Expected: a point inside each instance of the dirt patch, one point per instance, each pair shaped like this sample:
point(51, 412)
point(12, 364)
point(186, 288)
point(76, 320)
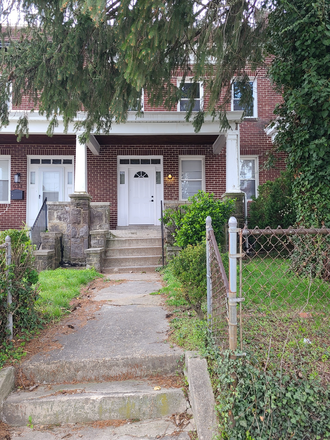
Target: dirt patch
point(171, 381)
point(4, 432)
point(108, 423)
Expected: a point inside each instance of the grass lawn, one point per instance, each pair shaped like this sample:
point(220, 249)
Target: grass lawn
point(272, 284)
point(286, 318)
point(58, 287)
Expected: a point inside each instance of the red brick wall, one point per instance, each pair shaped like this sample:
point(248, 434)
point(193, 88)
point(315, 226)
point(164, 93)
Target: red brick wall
point(102, 171)
point(14, 215)
point(254, 140)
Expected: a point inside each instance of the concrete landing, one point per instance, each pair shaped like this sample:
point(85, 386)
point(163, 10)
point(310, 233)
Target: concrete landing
point(126, 338)
point(115, 369)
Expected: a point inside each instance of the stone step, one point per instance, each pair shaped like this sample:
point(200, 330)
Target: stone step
point(103, 369)
point(89, 402)
point(130, 269)
point(134, 251)
point(147, 260)
point(133, 242)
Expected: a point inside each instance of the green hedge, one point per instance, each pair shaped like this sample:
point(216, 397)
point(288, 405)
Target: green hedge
point(22, 281)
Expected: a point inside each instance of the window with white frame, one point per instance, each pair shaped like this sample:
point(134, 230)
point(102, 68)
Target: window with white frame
point(190, 90)
point(4, 179)
point(191, 176)
point(249, 176)
point(251, 110)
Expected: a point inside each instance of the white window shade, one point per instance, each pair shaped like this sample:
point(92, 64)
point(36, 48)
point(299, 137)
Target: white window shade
point(249, 177)
point(191, 177)
point(4, 181)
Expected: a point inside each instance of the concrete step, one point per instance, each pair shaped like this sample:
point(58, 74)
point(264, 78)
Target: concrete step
point(147, 260)
point(137, 233)
point(133, 242)
point(134, 251)
point(115, 368)
point(88, 402)
point(130, 269)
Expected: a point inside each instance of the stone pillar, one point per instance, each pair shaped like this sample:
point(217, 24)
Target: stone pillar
point(100, 216)
point(59, 222)
point(53, 241)
point(79, 226)
point(94, 258)
point(44, 260)
point(99, 238)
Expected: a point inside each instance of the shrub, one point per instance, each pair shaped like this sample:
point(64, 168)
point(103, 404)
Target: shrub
point(173, 219)
point(190, 223)
point(274, 205)
point(189, 267)
point(21, 280)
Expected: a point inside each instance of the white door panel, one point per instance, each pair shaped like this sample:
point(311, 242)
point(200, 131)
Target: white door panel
point(141, 196)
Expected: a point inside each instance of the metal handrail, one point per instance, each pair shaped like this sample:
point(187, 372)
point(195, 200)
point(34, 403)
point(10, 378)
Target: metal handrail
point(37, 228)
point(162, 226)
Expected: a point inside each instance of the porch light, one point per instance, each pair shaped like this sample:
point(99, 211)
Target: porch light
point(17, 178)
point(170, 176)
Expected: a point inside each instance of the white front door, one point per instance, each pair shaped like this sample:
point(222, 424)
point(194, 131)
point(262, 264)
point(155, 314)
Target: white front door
point(141, 196)
point(140, 190)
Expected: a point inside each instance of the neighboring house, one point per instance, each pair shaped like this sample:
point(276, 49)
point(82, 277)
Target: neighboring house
point(153, 158)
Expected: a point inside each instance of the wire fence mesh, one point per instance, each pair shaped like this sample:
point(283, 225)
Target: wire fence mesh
point(284, 277)
point(218, 289)
point(285, 315)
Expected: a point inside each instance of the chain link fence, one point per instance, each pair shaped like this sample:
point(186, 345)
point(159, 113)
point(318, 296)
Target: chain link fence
point(284, 277)
point(217, 290)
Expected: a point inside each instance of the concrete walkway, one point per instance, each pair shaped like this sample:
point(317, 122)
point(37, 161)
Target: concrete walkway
point(125, 340)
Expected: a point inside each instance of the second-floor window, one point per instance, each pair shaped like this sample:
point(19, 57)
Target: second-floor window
point(188, 91)
point(250, 110)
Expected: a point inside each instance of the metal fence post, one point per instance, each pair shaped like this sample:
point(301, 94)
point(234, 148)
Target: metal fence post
point(208, 271)
point(9, 295)
point(232, 298)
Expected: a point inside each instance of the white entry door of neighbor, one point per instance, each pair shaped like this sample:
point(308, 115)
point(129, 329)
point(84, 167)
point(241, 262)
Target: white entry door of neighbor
point(141, 196)
point(51, 185)
point(50, 177)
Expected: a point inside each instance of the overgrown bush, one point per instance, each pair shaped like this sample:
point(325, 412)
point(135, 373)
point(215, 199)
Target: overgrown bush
point(310, 257)
point(274, 206)
point(189, 221)
point(189, 267)
point(256, 405)
point(21, 279)
point(173, 219)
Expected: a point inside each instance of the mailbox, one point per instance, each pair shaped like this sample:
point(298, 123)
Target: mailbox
point(17, 194)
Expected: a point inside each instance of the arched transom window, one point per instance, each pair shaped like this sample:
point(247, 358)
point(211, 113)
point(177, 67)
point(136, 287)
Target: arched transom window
point(140, 175)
